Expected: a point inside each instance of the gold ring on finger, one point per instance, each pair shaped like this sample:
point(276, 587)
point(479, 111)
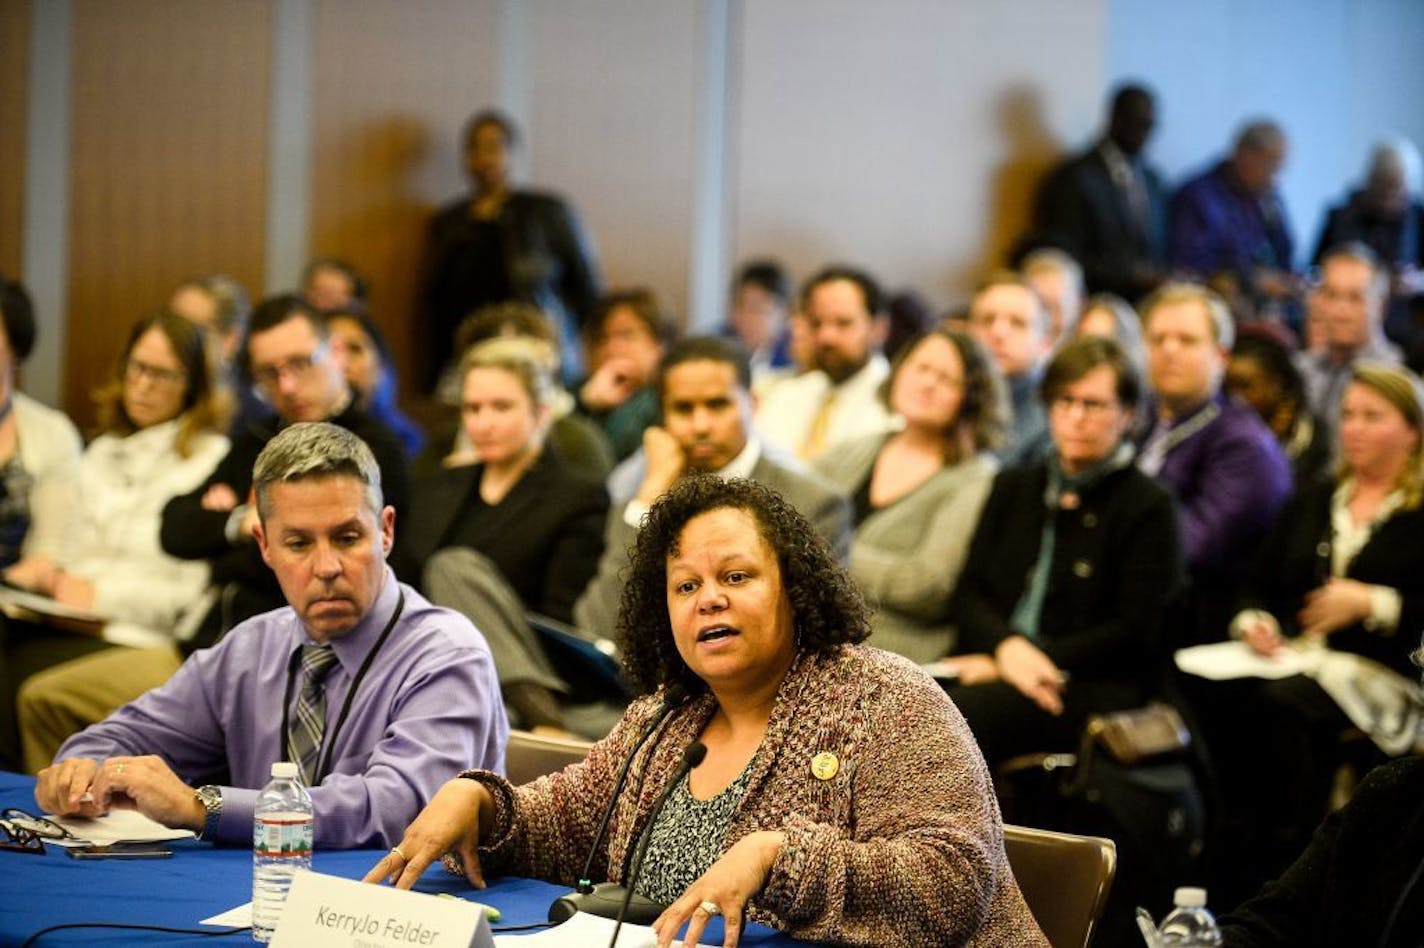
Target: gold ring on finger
point(397, 851)
point(709, 908)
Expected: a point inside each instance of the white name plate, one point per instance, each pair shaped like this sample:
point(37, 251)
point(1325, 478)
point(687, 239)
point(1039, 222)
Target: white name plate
point(329, 912)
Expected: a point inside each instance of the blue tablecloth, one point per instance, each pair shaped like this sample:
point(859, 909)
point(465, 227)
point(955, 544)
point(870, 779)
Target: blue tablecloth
point(200, 881)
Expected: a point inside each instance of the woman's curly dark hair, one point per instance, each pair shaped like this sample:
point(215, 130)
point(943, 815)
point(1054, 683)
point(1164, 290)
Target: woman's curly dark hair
point(826, 606)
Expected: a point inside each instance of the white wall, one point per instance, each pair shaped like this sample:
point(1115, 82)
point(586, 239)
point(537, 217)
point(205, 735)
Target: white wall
point(904, 136)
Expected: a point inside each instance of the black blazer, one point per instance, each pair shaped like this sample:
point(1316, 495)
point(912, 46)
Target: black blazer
point(1117, 563)
point(545, 536)
point(547, 260)
point(1296, 559)
point(1343, 888)
point(1081, 210)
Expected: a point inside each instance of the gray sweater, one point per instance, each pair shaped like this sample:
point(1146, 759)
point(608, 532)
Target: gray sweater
point(907, 556)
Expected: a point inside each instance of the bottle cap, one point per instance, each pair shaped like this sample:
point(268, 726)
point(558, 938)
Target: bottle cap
point(1190, 897)
point(285, 769)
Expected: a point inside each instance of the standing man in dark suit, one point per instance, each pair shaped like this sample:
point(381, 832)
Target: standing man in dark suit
point(705, 391)
point(1106, 206)
point(501, 243)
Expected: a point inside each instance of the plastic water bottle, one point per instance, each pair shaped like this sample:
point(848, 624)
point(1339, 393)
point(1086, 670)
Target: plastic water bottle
point(1190, 925)
point(282, 826)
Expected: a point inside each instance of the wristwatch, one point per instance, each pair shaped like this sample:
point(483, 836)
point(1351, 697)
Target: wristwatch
point(211, 799)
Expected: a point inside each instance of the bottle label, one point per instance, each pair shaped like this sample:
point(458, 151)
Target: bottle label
point(282, 836)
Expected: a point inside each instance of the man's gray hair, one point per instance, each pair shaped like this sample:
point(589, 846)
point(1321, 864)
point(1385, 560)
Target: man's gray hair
point(1259, 134)
point(315, 449)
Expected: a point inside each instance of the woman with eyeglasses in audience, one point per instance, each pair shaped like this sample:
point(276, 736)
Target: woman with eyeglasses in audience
point(1072, 567)
point(161, 416)
point(917, 492)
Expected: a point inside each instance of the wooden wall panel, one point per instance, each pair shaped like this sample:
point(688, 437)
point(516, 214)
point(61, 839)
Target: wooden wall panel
point(394, 85)
point(168, 163)
point(14, 89)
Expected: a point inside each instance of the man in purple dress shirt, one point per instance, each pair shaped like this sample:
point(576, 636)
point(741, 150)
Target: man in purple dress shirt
point(423, 704)
point(1227, 470)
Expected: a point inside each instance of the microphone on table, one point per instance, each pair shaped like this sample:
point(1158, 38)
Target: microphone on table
point(691, 757)
point(603, 899)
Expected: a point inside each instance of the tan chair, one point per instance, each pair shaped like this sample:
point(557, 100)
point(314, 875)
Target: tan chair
point(1064, 878)
point(530, 756)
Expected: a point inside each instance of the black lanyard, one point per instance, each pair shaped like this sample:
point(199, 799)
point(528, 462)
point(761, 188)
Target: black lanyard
point(328, 739)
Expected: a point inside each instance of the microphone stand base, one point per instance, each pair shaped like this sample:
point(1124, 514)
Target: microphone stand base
point(605, 900)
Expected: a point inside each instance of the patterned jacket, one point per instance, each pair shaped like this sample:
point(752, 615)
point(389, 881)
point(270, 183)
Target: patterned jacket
point(902, 845)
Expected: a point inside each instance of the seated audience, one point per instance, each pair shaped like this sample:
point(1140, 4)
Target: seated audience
point(1387, 216)
point(517, 531)
point(1230, 221)
point(917, 492)
point(740, 627)
point(360, 347)
point(576, 440)
point(1071, 571)
point(1351, 299)
point(837, 400)
point(1010, 320)
point(289, 356)
point(1227, 470)
point(39, 497)
point(215, 523)
point(161, 418)
point(761, 307)
point(627, 337)
point(1058, 280)
point(330, 284)
point(394, 693)
point(1339, 571)
point(706, 428)
point(1106, 207)
point(1262, 374)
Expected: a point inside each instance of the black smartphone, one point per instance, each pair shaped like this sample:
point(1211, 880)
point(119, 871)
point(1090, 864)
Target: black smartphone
point(119, 851)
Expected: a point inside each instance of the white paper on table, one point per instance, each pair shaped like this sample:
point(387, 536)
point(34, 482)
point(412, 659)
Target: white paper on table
point(583, 930)
point(240, 917)
point(118, 826)
point(1221, 661)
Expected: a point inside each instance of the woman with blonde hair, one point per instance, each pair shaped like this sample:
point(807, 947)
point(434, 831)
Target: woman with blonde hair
point(917, 492)
point(517, 532)
point(1336, 584)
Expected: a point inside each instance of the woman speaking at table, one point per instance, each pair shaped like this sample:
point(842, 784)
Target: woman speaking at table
point(841, 798)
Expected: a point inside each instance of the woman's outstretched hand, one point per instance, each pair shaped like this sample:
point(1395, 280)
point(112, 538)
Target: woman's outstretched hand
point(450, 823)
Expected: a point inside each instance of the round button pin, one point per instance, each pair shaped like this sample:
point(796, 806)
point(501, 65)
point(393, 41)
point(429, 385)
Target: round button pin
point(825, 765)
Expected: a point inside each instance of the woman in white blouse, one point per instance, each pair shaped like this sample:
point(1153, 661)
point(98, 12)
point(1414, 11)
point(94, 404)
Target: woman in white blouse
point(161, 415)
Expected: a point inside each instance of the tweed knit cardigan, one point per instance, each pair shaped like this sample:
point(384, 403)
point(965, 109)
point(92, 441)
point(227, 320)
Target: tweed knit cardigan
point(903, 845)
